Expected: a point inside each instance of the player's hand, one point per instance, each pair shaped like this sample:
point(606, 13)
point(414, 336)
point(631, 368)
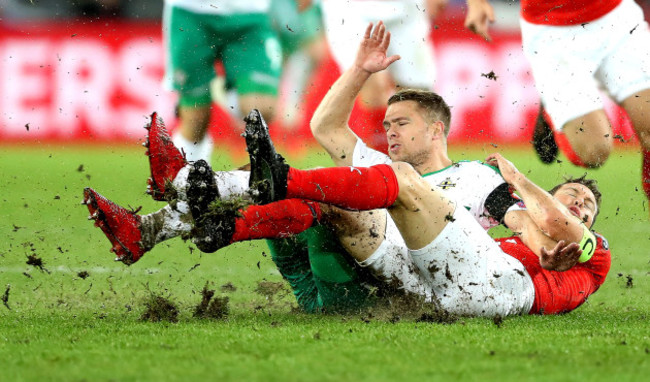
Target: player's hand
point(479, 15)
point(371, 55)
point(561, 258)
point(508, 170)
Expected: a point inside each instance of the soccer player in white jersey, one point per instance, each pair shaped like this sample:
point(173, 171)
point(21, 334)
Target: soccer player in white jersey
point(412, 139)
point(411, 113)
point(433, 244)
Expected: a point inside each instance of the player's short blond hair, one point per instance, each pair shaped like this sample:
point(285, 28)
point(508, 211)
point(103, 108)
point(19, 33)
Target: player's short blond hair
point(433, 105)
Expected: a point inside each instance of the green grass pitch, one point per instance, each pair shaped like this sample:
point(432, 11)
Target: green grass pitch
point(57, 324)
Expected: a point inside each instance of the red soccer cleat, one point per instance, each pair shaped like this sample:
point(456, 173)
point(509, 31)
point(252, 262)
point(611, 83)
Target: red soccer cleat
point(121, 227)
point(165, 159)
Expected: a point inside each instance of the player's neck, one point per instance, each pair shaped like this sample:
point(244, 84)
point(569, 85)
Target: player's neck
point(435, 162)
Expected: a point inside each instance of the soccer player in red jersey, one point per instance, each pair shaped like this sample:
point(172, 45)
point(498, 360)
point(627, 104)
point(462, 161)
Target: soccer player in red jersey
point(573, 46)
point(562, 281)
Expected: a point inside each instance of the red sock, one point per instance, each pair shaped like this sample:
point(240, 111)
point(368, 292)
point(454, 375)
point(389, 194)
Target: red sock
point(276, 220)
point(645, 173)
point(564, 146)
point(353, 188)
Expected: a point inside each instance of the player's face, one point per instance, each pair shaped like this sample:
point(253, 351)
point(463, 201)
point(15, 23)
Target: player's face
point(579, 200)
point(408, 133)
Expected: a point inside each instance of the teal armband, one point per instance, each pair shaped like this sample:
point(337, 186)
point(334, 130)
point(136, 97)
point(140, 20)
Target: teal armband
point(587, 245)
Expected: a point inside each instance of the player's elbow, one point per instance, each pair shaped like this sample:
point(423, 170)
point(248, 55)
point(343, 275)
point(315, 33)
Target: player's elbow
point(317, 127)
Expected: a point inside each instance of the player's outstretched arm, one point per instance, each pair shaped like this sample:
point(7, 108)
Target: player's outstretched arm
point(329, 123)
point(480, 15)
point(546, 212)
point(553, 255)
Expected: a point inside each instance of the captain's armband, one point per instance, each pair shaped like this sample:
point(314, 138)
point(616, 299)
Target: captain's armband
point(587, 245)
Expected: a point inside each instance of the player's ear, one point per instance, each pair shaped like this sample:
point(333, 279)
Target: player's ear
point(438, 129)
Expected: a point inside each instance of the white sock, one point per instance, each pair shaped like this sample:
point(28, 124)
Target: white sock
point(180, 182)
point(296, 73)
point(232, 104)
point(170, 222)
point(228, 99)
point(165, 224)
point(231, 184)
point(194, 151)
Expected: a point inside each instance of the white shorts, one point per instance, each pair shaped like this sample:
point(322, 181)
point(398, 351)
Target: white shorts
point(464, 267)
point(569, 62)
point(391, 263)
point(346, 20)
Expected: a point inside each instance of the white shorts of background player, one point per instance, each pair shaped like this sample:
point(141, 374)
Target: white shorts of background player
point(570, 62)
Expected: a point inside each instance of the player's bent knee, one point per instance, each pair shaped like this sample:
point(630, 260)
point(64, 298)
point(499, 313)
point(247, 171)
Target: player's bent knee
point(407, 176)
point(596, 155)
point(404, 171)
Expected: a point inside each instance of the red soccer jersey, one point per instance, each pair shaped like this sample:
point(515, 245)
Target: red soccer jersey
point(561, 292)
point(565, 12)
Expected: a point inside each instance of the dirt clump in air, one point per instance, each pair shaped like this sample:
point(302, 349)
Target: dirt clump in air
point(228, 287)
point(5, 297)
point(212, 307)
point(270, 290)
point(159, 308)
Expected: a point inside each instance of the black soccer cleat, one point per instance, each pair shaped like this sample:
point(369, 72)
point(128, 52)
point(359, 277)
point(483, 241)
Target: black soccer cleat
point(543, 140)
point(268, 179)
point(212, 231)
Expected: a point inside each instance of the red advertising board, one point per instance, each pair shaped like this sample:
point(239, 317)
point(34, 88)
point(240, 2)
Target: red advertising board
point(99, 81)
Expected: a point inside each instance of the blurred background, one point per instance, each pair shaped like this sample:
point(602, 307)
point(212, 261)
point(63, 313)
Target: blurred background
point(91, 71)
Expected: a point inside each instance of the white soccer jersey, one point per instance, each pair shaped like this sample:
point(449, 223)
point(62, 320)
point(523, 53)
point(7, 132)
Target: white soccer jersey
point(468, 183)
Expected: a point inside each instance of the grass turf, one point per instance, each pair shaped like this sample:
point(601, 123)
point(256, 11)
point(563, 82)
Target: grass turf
point(78, 318)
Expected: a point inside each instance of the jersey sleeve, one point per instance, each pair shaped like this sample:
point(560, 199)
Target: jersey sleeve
point(364, 156)
point(496, 197)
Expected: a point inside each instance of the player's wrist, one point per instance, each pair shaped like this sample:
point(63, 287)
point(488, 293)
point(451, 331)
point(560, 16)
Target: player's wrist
point(517, 180)
point(359, 72)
